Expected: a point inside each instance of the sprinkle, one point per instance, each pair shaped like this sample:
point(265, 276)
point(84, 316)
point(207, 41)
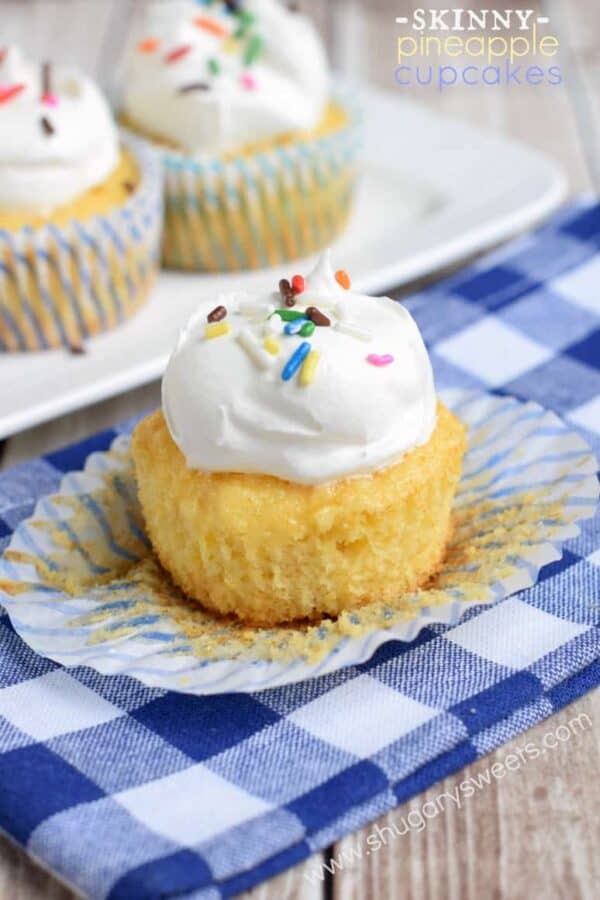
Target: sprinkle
point(194, 86)
point(3, 52)
point(178, 53)
point(248, 81)
point(211, 25)
point(150, 45)
point(289, 315)
point(229, 44)
point(76, 349)
point(46, 79)
point(219, 329)
point(214, 66)
point(246, 18)
point(376, 360)
point(245, 21)
point(233, 6)
point(272, 326)
point(129, 186)
point(309, 368)
point(343, 279)
point(271, 345)
point(253, 49)
point(295, 361)
point(47, 126)
point(287, 292)
point(295, 327)
point(315, 315)
point(9, 92)
point(216, 314)
point(298, 284)
point(307, 329)
point(49, 99)
point(354, 331)
point(257, 354)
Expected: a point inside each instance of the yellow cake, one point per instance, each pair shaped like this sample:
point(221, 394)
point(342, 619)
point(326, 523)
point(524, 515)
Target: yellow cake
point(297, 475)
point(111, 193)
point(80, 214)
point(260, 160)
point(270, 551)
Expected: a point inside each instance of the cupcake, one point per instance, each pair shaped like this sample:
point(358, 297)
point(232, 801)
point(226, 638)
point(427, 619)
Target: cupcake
point(259, 155)
point(80, 215)
point(301, 464)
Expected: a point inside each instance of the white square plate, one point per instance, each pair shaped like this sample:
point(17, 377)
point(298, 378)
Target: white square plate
point(434, 191)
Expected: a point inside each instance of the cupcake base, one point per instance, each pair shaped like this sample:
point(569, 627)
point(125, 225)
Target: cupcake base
point(269, 551)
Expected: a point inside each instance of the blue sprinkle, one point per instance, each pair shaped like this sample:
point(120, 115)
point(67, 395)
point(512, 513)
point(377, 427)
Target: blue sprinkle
point(295, 360)
point(295, 326)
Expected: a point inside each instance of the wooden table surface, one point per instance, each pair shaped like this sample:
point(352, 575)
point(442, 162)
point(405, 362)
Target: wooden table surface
point(536, 831)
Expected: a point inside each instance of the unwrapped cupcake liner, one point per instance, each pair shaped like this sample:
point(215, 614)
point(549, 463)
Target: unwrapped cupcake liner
point(259, 209)
point(82, 587)
point(59, 285)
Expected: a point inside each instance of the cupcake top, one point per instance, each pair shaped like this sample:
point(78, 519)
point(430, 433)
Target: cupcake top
point(58, 135)
point(310, 382)
point(215, 75)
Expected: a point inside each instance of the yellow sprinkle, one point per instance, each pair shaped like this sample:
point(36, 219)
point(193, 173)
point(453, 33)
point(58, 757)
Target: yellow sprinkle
point(309, 368)
point(229, 45)
point(271, 345)
point(217, 330)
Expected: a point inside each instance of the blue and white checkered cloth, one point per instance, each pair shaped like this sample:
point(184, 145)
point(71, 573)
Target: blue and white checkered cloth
point(131, 792)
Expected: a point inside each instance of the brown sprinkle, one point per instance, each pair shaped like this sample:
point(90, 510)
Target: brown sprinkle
point(46, 79)
point(217, 314)
point(315, 315)
point(194, 86)
point(47, 126)
point(287, 292)
point(129, 186)
point(76, 349)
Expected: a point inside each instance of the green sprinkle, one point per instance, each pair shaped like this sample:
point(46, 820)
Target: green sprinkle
point(307, 329)
point(214, 66)
point(253, 49)
point(289, 315)
point(246, 18)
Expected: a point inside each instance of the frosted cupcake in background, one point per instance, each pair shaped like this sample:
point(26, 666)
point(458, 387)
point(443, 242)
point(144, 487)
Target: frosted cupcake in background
point(260, 157)
point(80, 215)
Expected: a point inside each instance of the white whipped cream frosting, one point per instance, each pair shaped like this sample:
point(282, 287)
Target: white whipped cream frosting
point(47, 165)
point(285, 88)
point(229, 410)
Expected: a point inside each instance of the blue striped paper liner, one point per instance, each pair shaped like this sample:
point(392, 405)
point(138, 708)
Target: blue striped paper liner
point(226, 230)
point(519, 447)
point(83, 246)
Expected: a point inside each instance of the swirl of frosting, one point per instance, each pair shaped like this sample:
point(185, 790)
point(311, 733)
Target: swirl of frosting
point(350, 392)
point(58, 135)
point(215, 76)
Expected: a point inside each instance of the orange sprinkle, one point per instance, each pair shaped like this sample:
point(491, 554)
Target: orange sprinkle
point(211, 26)
point(150, 45)
point(342, 278)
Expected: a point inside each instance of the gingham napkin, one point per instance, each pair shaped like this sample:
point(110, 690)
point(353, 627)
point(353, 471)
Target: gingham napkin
point(130, 792)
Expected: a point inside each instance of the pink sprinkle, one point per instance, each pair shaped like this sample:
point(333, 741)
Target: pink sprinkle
point(376, 360)
point(50, 100)
point(178, 53)
point(249, 81)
